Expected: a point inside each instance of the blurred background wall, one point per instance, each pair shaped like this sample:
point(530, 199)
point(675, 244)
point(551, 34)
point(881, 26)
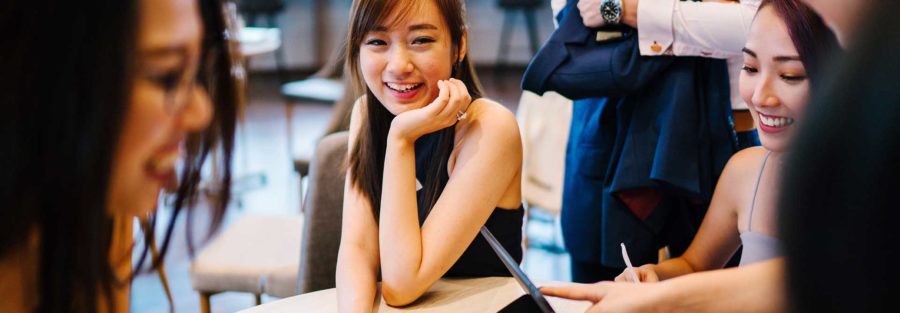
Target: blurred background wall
point(300, 33)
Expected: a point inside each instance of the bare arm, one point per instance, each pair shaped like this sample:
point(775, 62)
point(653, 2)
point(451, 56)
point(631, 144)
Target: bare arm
point(413, 258)
point(357, 263)
point(718, 237)
point(753, 288)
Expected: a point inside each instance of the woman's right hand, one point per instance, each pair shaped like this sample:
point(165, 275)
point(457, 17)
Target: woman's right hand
point(645, 273)
point(453, 99)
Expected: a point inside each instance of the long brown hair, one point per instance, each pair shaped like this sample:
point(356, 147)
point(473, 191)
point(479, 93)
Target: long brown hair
point(367, 154)
point(63, 106)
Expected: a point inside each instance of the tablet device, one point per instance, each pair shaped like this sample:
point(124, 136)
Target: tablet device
point(533, 301)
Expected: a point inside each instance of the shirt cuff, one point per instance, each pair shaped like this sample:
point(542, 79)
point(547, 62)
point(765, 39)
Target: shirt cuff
point(654, 19)
point(714, 30)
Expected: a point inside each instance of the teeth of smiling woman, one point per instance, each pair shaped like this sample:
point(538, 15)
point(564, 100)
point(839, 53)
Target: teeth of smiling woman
point(776, 121)
point(402, 87)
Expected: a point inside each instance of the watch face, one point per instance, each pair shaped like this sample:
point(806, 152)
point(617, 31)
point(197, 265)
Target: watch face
point(610, 10)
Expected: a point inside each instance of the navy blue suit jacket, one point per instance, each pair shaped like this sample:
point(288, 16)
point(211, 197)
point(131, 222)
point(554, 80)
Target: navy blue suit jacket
point(659, 122)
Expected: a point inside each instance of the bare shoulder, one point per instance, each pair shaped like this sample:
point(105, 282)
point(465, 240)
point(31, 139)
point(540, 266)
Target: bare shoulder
point(494, 119)
point(746, 161)
point(489, 124)
point(742, 168)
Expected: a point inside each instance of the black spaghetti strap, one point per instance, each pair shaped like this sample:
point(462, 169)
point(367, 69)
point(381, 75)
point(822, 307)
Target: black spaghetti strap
point(756, 190)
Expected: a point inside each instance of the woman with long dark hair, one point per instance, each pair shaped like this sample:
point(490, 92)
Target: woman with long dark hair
point(431, 161)
point(783, 60)
point(100, 101)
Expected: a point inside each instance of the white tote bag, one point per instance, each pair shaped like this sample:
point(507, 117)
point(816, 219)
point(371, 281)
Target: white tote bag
point(544, 122)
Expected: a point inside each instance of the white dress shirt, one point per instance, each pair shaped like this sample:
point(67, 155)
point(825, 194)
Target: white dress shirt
point(706, 29)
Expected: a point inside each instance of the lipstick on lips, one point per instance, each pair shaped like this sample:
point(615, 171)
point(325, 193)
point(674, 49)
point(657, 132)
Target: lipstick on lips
point(773, 124)
point(404, 91)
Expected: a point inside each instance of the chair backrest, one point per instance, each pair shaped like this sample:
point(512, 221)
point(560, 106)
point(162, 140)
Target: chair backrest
point(323, 209)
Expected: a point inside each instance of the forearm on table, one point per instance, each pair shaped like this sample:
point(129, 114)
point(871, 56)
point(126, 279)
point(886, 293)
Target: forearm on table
point(399, 235)
point(753, 288)
point(355, 280)
point(672, 268)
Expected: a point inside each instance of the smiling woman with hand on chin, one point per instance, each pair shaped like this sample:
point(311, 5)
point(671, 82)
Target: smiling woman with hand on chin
point(431, 161)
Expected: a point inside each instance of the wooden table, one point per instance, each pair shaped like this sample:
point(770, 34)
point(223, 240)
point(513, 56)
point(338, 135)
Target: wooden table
point(488, 294)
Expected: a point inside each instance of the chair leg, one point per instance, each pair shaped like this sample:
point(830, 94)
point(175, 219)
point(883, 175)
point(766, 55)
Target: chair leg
point(258, 298)
point(508, 19)
point(280, 64)
point(204, 302)
point(500, 64)
point(302, 194)
point(531, 24)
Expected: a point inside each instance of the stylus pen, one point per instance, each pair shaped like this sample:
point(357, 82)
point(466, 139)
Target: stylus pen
point(628, 267)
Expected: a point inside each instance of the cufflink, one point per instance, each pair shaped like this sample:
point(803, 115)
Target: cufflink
point(655, 47)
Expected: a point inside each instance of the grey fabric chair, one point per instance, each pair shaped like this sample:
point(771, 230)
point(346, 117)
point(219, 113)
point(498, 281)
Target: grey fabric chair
point(323, 210)
point(245, 254)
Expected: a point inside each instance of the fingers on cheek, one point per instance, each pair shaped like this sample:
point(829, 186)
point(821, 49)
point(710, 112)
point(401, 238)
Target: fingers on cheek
point(443, 96)
point(462, 95)
point(451, 89)
point(456, 89)
point(453, 95)
point(443, 90)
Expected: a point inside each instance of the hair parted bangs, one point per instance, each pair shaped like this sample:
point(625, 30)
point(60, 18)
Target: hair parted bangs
point(814, 41)
point(366, 161)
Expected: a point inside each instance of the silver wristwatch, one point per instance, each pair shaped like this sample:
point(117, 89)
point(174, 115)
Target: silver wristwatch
point(611, 11)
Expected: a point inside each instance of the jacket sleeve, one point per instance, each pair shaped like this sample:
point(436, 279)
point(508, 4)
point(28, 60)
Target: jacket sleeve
point(574, 64)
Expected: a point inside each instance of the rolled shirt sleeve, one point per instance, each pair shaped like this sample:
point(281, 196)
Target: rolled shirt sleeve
point(707, 29)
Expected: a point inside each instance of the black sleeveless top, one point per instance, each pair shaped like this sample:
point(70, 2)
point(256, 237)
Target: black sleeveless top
point(479, 259)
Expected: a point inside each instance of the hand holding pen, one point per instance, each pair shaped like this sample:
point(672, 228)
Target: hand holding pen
point(635, 274)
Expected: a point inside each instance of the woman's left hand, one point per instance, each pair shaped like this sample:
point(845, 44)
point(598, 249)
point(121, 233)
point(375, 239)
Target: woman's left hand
point(609, 297)
point(452, 101)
